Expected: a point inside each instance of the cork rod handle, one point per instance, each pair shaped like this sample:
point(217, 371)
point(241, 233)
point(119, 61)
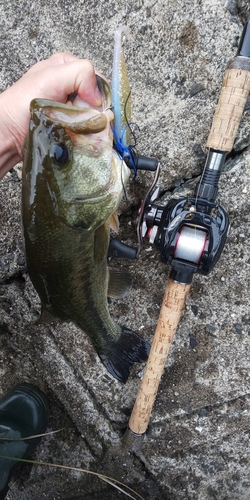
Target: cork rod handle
point(234, 93)
point(172, 305)
point(229, 110)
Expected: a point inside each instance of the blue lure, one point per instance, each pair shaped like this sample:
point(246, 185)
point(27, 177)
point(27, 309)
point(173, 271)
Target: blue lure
point(125, 152)
point(121, 103)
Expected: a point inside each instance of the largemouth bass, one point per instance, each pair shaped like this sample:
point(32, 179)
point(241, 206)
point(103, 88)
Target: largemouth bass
point(73, 181)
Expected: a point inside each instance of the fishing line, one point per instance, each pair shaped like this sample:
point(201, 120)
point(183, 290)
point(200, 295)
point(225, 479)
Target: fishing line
point(129, 124)
point(191, 243)
point(199, 185)
point(123, 187)
point(125, 151)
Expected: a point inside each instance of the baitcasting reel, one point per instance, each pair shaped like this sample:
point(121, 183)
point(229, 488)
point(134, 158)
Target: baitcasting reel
point(189, 232)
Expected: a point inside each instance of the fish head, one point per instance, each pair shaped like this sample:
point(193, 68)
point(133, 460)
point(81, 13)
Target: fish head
point(71, 170)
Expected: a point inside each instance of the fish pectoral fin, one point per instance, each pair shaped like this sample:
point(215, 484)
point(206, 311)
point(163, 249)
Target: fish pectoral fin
point(127, 350)
point(46, 316)
point(114, 222)
point(120, 283)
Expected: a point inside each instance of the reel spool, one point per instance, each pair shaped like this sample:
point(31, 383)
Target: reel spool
point(191, 242)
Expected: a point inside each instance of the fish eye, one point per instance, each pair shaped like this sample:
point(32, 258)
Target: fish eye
point(59, 154)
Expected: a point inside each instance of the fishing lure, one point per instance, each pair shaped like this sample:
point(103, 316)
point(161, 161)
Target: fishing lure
point(121, 102)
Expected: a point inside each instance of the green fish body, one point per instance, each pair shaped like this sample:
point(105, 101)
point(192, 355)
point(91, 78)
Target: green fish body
point(73, 182)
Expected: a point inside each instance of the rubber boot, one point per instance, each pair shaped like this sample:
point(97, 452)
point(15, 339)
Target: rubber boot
point(24, 412)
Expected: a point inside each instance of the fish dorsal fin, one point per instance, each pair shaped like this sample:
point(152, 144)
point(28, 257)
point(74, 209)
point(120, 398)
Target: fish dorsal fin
point(114, 222)
point(120, 283)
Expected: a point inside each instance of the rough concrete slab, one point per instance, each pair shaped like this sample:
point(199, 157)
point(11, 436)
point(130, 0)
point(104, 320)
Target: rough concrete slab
point(198, 444)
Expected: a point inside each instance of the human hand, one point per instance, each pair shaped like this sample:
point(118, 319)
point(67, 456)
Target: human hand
point(54, 78)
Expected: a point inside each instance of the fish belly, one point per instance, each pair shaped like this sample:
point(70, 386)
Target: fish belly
point(68, 268)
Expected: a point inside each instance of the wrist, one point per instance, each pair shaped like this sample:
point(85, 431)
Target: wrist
point(9, 151)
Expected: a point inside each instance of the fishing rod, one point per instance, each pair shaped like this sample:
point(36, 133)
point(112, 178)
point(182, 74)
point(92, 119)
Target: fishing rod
point(190, 234)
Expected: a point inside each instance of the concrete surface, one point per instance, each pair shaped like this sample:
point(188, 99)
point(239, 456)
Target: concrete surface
point(197, 446)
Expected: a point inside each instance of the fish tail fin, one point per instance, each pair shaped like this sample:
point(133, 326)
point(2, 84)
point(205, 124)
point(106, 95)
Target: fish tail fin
point(127, 350)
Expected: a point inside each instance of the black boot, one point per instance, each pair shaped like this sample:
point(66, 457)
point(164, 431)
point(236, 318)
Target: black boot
point(24, 412)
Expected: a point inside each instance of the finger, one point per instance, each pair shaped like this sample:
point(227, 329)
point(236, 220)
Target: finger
point(75, 76)
point(55, 59)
